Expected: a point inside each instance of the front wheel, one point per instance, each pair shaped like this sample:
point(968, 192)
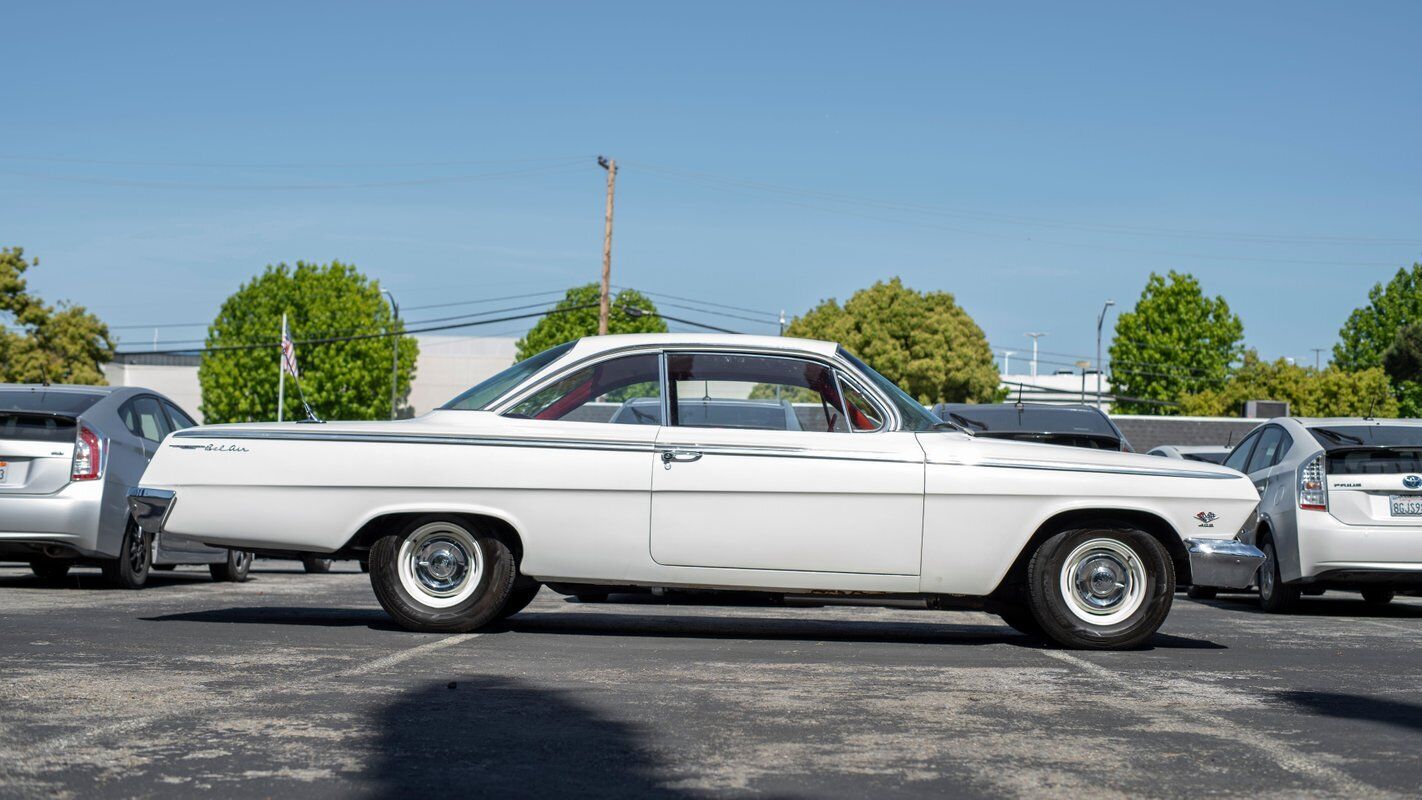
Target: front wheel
point(1100, 588)
point(130, 569)
point(235, 569)
point(442, 575)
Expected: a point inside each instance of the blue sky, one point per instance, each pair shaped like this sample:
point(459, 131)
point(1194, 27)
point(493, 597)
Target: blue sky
point(1033, 159)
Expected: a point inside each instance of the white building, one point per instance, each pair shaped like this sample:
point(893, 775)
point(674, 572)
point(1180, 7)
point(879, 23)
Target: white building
point(447, 366)
point(1063, 387)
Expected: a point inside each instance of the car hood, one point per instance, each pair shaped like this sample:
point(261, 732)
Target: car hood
point(959, 448)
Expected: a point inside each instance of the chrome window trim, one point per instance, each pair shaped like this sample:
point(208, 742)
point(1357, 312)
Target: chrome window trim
point(555, 371)
point(420, 438)
point(883, 417)
point(782, 356)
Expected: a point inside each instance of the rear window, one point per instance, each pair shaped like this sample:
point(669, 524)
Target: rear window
point(54, 402)
point(1371, 449)
point(35, 428)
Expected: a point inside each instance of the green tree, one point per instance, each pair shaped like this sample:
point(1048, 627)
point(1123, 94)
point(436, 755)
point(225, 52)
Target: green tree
point(1403, 360)
point(1372, 329)
point(347, 379)
point(923, 341)
point(64, 344)
point(567, 325)
point(1176, 341)
point(1331, 392)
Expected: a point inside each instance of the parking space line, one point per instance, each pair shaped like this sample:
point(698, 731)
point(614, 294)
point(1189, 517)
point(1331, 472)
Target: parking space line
point(1286, 758)
point(64, 742)
point(1390, 626)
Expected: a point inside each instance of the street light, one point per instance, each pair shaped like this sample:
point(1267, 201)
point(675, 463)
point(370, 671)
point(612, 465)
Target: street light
point(1099, 321)
point(1035, 337)
point(1082, 365)
point(1007, 361)
point(394, 350)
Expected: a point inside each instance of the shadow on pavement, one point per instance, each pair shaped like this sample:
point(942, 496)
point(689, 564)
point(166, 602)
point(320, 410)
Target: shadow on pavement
point(1343, 604)
point(709, 626)
point(1352, 706)
point(500, 737)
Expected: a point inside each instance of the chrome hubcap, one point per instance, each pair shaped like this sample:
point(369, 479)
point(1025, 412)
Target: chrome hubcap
point(1103, 581)
point(440, 564)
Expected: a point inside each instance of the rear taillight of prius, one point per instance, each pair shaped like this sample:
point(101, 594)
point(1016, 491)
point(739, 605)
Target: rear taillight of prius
point(1313, 487)
point(88, 456)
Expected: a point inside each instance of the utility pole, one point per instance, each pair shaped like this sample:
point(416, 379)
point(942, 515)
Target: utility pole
point(1035, 337)
point(1082, 365)
point(394, 349)
point(604, 301)
point(782, 322)
point(1317, 357)
point(1099, 320)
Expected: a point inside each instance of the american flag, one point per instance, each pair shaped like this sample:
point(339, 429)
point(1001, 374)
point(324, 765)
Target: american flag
point(288, 355)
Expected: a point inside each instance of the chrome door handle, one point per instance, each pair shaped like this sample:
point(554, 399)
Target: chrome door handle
point(683, 456)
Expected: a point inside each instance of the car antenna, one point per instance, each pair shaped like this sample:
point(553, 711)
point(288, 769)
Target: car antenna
point(1371, 403)
point(1229, 442)
point(1019, 404)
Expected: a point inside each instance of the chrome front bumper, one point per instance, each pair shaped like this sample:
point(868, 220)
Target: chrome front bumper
point(150, 507)
point(1223, 563)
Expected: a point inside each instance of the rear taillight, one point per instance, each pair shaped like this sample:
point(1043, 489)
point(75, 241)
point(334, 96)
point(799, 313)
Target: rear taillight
point(1313, 487)
point(88, 456)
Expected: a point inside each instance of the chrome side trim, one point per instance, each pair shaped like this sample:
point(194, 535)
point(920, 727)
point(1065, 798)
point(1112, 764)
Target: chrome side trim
point(150, 507)
point(1153, 473)
point(418, 438)
point(769, 451)
point(1223, 563)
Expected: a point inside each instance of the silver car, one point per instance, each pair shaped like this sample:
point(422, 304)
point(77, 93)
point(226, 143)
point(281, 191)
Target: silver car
point(1192, 452)
point(68, 456)
point(1340, 506)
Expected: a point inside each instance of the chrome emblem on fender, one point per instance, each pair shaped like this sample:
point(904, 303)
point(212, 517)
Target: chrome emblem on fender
point(1207, 518)
point(1412, 482)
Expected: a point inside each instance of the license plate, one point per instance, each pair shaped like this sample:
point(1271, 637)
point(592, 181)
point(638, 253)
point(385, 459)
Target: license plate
point(4, 470)
point(1405, 505)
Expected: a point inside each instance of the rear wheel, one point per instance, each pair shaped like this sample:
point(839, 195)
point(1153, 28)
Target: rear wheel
point(1378, 597)
point(1100, 588)
point(317, 566)
point(442, 575)
point(49, 569)
point(519, 598)
point(1275, 596)
point(1202, 593)
point(235, 569)
point(130, 569)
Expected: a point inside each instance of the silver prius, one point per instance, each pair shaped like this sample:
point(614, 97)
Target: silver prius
point(1340, 507)
point(68, 456)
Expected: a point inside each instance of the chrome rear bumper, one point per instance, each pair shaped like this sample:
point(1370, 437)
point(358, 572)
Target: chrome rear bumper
point(150, 507)
point(1223, 563)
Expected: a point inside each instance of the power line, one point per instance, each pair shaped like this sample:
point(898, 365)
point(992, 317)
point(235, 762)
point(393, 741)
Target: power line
point(288, 165)
point(770, 314)
point(142, 184)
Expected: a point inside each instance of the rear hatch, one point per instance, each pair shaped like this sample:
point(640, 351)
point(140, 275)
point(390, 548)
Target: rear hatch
point(1374, 473)
point(36, 452)
point(38, 426)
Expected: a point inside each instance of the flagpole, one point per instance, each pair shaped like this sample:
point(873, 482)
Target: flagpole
point(281, 368)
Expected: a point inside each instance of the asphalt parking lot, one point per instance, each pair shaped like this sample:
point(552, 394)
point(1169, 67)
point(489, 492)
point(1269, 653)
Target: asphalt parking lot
point(297, 685)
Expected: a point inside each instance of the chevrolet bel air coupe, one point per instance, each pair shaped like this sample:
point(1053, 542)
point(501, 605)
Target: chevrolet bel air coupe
point(710, 462)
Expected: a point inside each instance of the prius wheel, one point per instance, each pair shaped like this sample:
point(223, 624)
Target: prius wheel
point(442, 575)
point(317, 566)
point(236, 569)
point(130, 569)
point(1100, 589)
point(1275, 596)
point(49, 569)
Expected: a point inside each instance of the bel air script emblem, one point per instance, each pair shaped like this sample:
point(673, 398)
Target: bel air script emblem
point(1412, 482)
point(1207, 518)
point(211, 448)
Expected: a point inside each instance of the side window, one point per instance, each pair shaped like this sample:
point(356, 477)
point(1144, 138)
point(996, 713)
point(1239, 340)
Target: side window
point(721, 390)
point(863, 415)
point(1288, 442)
point(1266, 450)
point(624, 390)
point(144, 418)
point(1241, 451)
point(177, 419)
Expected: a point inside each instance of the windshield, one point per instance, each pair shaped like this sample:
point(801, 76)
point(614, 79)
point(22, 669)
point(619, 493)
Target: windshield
point(916, 417)
point(483, 395)
point(47, 400)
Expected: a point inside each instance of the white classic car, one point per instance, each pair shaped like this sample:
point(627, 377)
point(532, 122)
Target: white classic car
point(538, 476)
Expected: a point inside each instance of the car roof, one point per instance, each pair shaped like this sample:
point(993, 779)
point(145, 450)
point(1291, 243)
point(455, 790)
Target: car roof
point(592, 345)
point(73, 388)
point(1315, 422)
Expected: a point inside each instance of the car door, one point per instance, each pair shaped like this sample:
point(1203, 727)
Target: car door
point(763, 465)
